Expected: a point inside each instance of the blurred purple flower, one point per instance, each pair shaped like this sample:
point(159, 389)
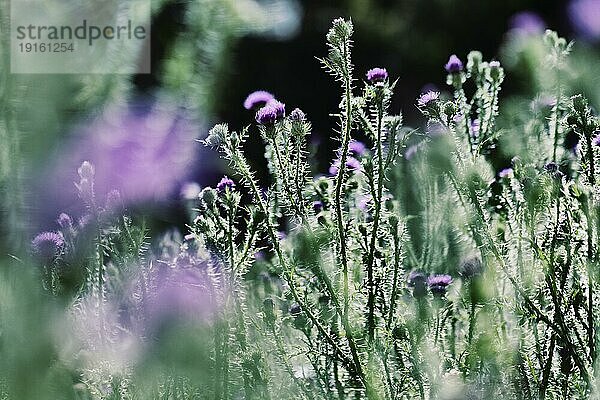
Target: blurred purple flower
point(48, 245)
point(181, 293)
point(257, 99)
point(377, 75)
point(596, 139)
point(190, 191)
point(358, 148)
point(585, 18)
point(527, 23)
point(141, 151)
point(438, 284)
point(225, 183)
point(505, 173)
point(352, 164)
point(454, 65)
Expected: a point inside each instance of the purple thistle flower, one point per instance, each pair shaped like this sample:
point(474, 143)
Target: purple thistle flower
point(596, 139)
point(454, 65)
point(527, 23)
point(48, 245)
point(438, 284)
point(224, 184)
point(257, 99)
point(427, 98)
point(317, 206)
point(65, 221)
point(278, 106)
point(351, 163)
point(505, 173)
point(266, 115)
point(297, 115)
point(377, 75)
point(358, 148)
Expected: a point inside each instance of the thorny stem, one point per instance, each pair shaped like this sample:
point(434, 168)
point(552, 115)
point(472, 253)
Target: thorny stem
point(377, 205)
point(339, 182)
point(394, 279)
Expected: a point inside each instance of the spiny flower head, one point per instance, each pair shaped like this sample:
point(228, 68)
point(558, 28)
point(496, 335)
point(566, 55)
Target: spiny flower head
point(454, 65)
point(426, 98)
point(470, 267)
point(225, 184)
point(278, 106)
point(257, 99)
point(297, 115)
point(266, 115)
point(377, 75)
point(438, 283)
point(48, 245)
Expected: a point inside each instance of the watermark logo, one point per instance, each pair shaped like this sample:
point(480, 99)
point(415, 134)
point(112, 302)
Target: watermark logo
point(80, 36)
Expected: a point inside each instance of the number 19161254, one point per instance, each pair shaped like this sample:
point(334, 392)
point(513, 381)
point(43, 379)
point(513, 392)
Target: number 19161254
point(46, 47)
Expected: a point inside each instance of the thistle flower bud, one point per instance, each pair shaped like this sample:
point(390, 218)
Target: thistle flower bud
point(417, 280)
point(470, 267)
point(454, 65)
point(208, 196)
point(297, 115)
point(496, 71)
point(474, 60)
point(216, 135)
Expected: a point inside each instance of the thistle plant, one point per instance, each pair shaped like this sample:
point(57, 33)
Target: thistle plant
point(429, 271)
